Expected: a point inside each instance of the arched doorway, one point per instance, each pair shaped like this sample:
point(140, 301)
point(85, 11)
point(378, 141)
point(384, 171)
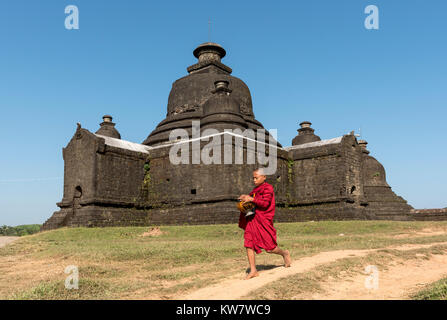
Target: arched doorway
point(77, 199)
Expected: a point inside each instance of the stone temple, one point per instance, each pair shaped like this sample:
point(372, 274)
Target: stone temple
point(112, 182)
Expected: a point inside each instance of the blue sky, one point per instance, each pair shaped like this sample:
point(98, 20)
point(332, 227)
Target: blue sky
point(302, 60)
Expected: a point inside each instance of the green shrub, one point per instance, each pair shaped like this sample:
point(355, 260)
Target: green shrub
point(19, 231)
point(434, 291)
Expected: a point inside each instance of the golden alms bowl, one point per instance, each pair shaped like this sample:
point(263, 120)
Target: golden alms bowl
point(244, 207)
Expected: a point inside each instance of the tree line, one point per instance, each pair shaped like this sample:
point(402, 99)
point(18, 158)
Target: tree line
point(22, 230)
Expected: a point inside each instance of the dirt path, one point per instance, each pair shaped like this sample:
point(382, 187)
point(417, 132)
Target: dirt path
point(398, 282)
point(391, 284)
point(5, 240)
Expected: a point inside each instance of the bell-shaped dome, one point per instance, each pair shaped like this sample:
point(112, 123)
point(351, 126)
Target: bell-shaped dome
point(222, 111)
point(189, 94)
point(221, 101)
point(305, 134)
point(108, 128)
point(373, 171)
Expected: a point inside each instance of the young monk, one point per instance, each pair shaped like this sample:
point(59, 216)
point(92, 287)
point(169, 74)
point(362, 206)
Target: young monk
point(259, 231)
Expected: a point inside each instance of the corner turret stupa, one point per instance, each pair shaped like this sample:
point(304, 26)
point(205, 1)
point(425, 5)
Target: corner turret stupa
point(197, 161)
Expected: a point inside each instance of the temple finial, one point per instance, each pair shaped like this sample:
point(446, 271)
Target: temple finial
point(209, 30)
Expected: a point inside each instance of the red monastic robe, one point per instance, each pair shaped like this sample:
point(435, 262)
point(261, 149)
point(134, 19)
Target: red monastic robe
point(259, 231)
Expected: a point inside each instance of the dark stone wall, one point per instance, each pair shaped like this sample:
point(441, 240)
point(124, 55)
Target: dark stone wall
point(429, 214)
point(96, 174)
point(315, 179)
point(338, 210)
point(172, 184)
point(119, 176)
point(79, 166)
point(120, 187)
point(326, 173)
point(351, 154)
point(202, 213)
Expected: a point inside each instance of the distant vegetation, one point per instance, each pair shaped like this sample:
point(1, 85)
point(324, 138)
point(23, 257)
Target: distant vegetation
point(22, 230)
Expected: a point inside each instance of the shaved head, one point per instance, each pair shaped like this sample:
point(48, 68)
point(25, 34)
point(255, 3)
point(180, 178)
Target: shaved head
point(259, 176)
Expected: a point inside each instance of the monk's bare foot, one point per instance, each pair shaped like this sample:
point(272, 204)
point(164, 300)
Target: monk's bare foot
point(287, 259)
point(252, 275)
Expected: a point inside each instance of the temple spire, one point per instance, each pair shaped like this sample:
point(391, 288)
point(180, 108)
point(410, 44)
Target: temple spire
point(209, 53)
point(108, 128)
point(209, 30)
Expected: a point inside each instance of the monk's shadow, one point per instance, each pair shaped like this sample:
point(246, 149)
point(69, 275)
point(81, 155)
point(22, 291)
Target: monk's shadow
point(262, 267)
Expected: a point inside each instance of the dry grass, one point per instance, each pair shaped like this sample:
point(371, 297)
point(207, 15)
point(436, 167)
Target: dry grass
point(165, 261)
point(304, 285)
